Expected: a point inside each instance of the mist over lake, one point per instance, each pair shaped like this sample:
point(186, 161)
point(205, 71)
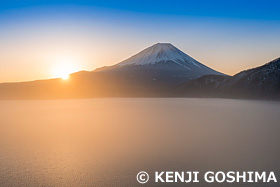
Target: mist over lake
point(106, 142)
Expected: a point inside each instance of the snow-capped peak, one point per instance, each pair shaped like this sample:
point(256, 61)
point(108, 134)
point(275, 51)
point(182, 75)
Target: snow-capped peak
point(160, 52)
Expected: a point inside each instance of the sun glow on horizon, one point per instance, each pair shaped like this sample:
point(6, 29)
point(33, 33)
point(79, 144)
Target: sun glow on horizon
point(65, 77)
point(63, 68)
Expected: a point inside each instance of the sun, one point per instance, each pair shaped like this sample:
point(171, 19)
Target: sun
point(65, 77)
point(63, 69)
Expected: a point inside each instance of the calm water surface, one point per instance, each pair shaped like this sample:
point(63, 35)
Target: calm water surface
point(106, 142)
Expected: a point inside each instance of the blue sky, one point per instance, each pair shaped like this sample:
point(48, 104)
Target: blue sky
point(229, 36)
point(247, 9)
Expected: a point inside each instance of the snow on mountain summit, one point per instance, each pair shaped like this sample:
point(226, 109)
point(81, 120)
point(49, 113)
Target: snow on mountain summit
point(161, 52)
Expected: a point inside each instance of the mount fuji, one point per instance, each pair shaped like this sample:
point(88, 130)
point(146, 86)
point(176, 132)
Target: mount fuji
point(161, 63)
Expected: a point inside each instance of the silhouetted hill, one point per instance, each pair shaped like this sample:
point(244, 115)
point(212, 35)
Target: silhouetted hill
point(205, 86)
point(261, 83)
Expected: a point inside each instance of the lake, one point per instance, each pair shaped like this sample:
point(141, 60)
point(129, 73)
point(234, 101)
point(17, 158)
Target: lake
point(106, 142)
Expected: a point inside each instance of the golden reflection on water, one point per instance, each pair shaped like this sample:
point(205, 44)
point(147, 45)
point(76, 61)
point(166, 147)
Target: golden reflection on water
point(106, 142)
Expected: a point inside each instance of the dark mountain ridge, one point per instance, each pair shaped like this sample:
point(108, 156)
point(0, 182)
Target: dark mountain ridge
point(257, 83)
